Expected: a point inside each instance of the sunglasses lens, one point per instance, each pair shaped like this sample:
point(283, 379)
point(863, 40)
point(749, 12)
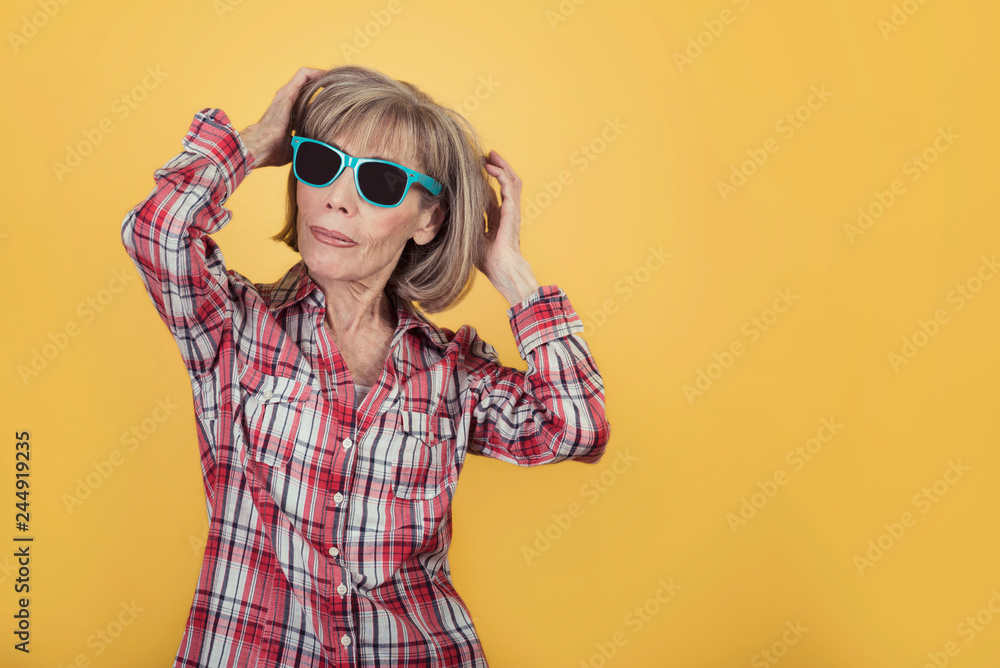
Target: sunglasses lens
point(316, 164)
point(381, 183)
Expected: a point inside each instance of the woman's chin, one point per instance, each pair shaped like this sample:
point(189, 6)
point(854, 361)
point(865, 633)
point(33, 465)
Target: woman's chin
point(328, 268)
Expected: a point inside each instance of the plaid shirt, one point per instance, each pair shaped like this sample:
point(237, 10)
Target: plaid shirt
point(329, 524)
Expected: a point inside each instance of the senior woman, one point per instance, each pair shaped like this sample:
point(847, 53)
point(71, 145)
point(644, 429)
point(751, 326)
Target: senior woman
point(333, 416)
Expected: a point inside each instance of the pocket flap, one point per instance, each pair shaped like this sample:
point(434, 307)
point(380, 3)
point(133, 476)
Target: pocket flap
point(428, 428)
point(268, 389)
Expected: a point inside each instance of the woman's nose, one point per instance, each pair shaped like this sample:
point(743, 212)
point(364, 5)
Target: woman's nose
point(343, 191)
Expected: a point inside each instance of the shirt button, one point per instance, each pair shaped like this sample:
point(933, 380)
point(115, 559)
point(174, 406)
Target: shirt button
point(348, 443)
point(338, 497)
point(334, 552)
point(266, 394)
point(341, 590)
point(344, 640)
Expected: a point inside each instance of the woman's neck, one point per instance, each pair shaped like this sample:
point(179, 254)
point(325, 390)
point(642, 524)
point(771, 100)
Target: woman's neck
point(350, 315)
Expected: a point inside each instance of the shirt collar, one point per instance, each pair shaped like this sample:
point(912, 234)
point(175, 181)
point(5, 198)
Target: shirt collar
point(297, 285)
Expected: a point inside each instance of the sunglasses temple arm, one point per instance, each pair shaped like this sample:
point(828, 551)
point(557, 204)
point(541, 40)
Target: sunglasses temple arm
point(433, 186)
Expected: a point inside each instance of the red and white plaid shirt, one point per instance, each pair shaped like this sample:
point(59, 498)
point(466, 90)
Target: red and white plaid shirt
point(329, 525)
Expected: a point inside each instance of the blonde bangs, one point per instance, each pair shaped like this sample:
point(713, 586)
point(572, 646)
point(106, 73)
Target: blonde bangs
point(377, 128)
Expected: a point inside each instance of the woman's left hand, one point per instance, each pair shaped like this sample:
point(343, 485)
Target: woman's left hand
point(503, 263)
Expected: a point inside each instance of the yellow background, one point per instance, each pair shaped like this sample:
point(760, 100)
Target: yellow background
point(682, 126)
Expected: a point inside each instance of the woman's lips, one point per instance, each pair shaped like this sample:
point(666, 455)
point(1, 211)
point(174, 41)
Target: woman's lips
point(331, 238)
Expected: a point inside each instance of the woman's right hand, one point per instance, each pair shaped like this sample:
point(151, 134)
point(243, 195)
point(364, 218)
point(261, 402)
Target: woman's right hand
point(269, 139)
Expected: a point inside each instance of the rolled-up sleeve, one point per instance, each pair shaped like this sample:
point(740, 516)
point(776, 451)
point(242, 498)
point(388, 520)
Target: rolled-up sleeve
point(555, 409)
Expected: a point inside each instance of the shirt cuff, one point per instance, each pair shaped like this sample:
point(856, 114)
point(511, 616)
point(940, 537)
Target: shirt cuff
point(211, 134)
point(543, 316)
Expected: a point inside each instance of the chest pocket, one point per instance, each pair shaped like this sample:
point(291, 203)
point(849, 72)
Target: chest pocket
point(424, 460)
point(273, 408)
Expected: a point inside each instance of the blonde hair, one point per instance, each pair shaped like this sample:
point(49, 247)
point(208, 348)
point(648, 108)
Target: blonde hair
point(383, 116)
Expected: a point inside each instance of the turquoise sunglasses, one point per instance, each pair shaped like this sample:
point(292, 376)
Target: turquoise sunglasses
point(379, 182)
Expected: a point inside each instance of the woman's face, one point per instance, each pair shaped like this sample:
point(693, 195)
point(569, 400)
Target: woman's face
point(377, 234)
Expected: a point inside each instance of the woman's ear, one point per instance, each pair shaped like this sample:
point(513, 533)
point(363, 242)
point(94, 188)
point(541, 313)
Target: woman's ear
point(432, 219)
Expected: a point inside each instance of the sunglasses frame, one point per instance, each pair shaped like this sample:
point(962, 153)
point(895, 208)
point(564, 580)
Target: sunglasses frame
point(346, 161)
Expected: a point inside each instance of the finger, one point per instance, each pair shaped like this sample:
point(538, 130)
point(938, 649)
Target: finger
point(496, 162)
point(510, 184)
point(502, 167)
point(310, 74)
point(289, 93)
point(499, 159)
point(307, 73)
point(498, 171)
point(301, 77)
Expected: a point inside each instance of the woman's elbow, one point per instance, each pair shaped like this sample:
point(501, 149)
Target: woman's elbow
point(589, 442)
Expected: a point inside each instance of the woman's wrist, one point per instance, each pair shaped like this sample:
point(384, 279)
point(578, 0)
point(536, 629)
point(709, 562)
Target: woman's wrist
point(516, 282)
point(254, 143)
